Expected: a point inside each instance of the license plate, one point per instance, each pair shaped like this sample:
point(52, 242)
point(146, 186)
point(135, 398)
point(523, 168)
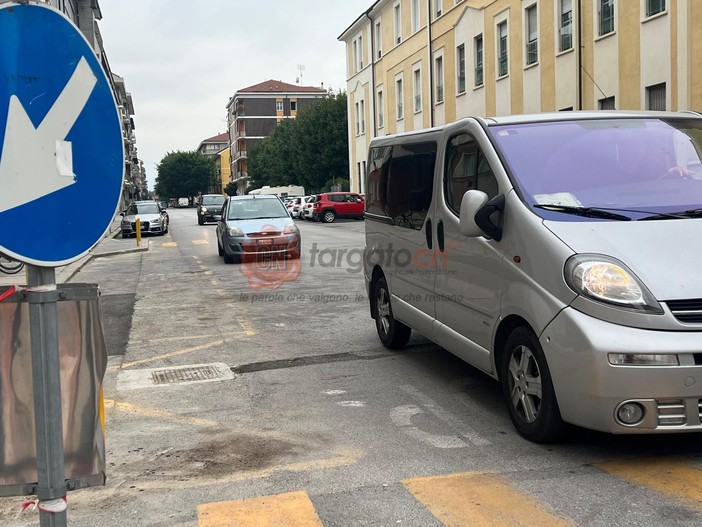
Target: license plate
point(265, 242)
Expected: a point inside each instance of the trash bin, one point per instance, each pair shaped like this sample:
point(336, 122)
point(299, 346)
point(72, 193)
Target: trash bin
point(83, 361)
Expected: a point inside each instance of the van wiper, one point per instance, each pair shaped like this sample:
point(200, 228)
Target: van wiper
point(588, 212)
point(692, 213)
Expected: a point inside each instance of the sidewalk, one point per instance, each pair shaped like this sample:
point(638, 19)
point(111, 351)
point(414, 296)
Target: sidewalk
point(111, 244)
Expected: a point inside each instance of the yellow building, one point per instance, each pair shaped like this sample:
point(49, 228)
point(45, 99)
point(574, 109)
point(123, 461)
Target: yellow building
point(223, 167)
point(414, 64)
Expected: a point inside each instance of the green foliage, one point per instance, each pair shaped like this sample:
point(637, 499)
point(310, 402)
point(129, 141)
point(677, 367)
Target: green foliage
point(307, 151)
point(182, 174)
point(230, 189)
point(342, 183)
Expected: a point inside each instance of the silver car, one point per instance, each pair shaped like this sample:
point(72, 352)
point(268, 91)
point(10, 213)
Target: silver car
point(256, 227)
point(555, 252)
point(153, 219)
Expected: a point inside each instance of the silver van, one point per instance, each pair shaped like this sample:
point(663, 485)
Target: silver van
point(558, 253)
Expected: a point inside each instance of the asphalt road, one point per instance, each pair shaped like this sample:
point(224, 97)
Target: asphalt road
point(231, 401)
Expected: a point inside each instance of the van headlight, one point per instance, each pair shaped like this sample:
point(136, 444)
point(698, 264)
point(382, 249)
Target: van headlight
point(607, 280)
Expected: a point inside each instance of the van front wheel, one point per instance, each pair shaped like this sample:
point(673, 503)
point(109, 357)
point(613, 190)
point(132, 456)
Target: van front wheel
point(392, 333)
point(528, 389)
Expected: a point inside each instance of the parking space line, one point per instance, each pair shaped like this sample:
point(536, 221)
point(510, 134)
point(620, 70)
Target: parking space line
point(200, 242)
point(480, 500)
point(673, 478)
point(167, 355)
point(293, 509)
point(169, 244)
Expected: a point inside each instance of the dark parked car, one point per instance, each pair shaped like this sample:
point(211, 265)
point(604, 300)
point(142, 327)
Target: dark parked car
point(209, 208)
point(154, 219)
point(331, 205)
point(256, 227)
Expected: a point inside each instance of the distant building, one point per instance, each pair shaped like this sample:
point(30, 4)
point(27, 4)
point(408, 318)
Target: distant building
point(212, 147)
point(414, 64)
point(254, 112)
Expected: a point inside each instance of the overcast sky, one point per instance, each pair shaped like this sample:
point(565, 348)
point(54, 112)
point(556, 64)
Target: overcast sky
point(182, 60)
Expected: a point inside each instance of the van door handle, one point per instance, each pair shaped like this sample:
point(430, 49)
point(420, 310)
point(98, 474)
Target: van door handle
point(427, 232)
point(440, 235)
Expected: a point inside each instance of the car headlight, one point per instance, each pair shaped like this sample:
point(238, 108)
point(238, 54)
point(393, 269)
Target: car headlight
point(204, 209)
point(235, 231)
point(290, 228)
point(607, 280)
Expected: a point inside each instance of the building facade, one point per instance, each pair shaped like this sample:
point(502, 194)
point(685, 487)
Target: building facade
point(254, 112)
point(415, 64)
point(211, 147)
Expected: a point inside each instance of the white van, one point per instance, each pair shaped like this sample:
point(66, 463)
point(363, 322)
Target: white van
point(558, 253)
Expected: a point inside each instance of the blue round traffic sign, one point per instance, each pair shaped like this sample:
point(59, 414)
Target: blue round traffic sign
point(61, 146)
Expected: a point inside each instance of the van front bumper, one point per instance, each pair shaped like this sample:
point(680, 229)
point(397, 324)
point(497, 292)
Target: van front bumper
point(590, 390)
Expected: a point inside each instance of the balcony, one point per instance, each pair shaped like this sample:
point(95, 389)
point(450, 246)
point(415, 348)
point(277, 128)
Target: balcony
point(565, 38)
point(502, 64)
point(462, 82)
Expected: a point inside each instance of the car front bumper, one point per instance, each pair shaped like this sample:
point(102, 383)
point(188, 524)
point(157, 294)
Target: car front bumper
point(590, 390)
point(278, 246)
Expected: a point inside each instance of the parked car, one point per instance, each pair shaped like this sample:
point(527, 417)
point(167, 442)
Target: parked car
point(308, 209)
point(554, 252)
point(297, 205)
point(331, 205)
point(154, 219)
point(209, 208)
point(256, 227)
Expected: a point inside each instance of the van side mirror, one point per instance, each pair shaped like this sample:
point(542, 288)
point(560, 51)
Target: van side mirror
point(476, 210)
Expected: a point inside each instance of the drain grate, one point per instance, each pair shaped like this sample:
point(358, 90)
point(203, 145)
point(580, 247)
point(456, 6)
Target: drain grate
point(188, 374)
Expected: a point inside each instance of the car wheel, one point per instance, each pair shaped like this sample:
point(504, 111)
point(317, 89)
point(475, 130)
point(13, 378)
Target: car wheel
point(528, 389)
point(200, 221)
point(166, 231)
point(392, 333)
point(227, 258)
point(220, 251)
point(329, 216)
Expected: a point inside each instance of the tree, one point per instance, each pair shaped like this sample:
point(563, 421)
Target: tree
point(230, 189)
point(309, 150)
point(182, 174)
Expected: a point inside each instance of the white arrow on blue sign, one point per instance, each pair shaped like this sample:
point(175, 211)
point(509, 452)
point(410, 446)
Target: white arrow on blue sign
point(62, 157)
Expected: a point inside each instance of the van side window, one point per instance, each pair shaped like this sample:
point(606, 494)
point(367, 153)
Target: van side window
point(377, 180)
point(466, 169)
point(409, 183)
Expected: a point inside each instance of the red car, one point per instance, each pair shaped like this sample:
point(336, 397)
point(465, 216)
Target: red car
point(331, 205)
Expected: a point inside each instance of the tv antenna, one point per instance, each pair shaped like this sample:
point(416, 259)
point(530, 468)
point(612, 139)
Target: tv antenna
point(300, 69)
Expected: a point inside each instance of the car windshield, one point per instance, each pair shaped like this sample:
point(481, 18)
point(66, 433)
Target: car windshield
point(638, 167)
point(142, 208)
point(249, 209)
point(212, 201)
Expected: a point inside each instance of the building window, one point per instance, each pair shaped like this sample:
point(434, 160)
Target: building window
point(379, 38)
point(417, 90)
point(439, 72)
point(415, 16)
point(437, 8)
point(606, 15)
point(479, 60)
point(363, 116)
point(400, 96)
point(358, 120)
point(502, 57)
point(461, 68)
point(379, 102)
point(293, 106)
point(565, 31)
point(532, 31)
point(358, 54)
point(655, 97)
point(398, 23)
point(278, 106)
point(606, 104)
point(653, 7)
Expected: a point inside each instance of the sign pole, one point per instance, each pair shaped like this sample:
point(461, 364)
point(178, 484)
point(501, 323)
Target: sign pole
point(46, 375)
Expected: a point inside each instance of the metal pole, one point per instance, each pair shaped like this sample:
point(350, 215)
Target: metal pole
point(47, 392)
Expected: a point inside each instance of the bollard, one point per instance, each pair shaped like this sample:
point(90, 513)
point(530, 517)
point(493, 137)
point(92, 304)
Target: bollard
point(138, 231)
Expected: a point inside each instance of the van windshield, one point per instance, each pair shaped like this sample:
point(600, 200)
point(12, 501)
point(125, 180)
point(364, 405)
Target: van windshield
point(636, 167)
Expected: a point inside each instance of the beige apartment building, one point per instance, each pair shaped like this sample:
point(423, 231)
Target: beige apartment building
point(414, 64)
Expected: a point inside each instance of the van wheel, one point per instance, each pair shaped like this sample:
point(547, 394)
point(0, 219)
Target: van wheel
point(392, 333)
point(329, 216)
point(528, 390)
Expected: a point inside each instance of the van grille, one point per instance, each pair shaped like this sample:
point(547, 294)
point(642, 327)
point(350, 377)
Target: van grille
point(687, 311)
point(671, 412)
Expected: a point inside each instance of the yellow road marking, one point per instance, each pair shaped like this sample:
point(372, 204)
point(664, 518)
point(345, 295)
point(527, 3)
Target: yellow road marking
point(200, 242)
point(673, 478)
point(245, 324)
point(160, 414)
point(480, 500)
point(293, 509)
point(169, 244)
point(187, 337)
point(166, 355)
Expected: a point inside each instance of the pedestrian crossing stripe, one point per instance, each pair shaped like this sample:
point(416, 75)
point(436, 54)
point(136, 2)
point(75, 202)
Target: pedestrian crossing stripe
point(673, 478)
point(480, 500)
point(293, 509)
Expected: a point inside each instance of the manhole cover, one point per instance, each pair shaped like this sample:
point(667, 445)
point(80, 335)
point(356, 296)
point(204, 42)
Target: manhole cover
point(189, 374)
